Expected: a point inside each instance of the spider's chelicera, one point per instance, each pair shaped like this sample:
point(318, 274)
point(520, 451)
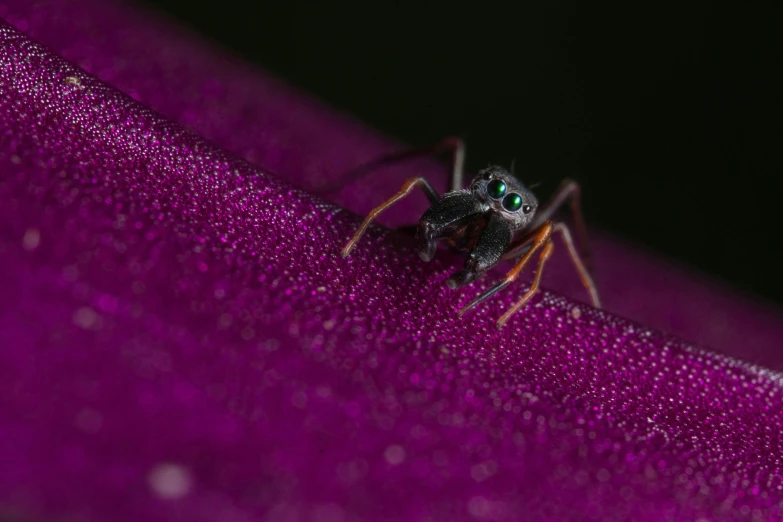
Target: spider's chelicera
point(496, 218)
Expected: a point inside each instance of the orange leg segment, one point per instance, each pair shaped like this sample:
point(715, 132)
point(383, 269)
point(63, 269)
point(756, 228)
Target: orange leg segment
point(406, 189)
point(546, 253)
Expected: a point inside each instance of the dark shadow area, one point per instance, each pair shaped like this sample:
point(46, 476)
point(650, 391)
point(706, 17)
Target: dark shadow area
point(668, 114)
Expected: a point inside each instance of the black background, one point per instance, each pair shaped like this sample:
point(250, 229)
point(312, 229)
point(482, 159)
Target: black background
point(668, 114)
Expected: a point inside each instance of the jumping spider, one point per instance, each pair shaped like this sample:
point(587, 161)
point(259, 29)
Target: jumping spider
point(496, 218)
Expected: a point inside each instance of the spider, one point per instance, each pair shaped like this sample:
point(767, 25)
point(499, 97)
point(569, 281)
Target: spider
point(495, 218)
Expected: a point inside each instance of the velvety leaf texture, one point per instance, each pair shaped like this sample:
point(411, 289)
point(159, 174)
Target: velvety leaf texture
point(180, 338)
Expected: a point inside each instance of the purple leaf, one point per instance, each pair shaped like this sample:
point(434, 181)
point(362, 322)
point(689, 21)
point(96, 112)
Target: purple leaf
point(179, 337)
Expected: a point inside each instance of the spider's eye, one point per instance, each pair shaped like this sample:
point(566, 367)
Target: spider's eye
point(526, 209)
point(496, 189)
point(512, 202)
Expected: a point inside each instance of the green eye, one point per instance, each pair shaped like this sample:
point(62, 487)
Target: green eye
point(512, 202)
point(496, 189)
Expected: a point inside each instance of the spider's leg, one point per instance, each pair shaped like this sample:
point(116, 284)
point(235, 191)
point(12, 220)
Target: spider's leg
point(584, 274)
point(406, 189)
point(457, 162)
point(546, 253)
point(568, 191)
point(452, 144)
point(540, 238)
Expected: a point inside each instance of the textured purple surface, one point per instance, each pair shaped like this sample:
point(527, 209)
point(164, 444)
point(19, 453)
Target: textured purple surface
point(180, 338)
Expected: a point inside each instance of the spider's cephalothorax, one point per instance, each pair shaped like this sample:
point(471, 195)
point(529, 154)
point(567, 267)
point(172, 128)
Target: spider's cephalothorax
point(495, 218)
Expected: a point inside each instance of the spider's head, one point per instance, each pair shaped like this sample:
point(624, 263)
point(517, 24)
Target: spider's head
point(505, 195)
